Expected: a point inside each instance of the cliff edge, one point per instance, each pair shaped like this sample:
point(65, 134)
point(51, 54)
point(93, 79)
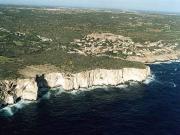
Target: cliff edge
point(27, 89)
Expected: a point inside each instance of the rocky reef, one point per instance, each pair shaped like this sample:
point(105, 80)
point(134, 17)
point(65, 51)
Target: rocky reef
point(27, 89)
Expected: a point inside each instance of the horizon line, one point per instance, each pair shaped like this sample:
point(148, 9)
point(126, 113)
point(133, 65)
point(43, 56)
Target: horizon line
point(83, 7)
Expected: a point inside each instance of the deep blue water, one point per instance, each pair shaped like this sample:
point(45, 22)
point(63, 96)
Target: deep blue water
point(140, 109)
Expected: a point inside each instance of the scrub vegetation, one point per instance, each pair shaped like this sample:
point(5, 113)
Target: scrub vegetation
point(36, 36)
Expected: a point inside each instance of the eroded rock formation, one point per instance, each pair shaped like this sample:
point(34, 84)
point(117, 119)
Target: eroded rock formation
point(96, 77)
point(11, 90)
point(27, 89)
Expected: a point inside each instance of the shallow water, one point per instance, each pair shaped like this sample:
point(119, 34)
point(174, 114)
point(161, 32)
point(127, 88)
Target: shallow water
point(151, 108)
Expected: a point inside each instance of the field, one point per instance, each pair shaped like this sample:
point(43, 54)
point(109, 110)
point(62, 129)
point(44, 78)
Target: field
point(34, 36)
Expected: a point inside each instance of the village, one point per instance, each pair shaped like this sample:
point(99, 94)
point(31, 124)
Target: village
point(101, 44)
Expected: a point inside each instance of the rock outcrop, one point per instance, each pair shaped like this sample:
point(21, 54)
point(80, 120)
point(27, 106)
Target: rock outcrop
point(11, 90)
point(27, 89)
point(96, 77)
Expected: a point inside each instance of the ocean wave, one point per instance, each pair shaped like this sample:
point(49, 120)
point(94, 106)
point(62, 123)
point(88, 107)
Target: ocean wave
point(58, 91)
point(173, 84)
point(81, 90)
point(97, 87)
point(75, 92)
point(122, 86)
point(47, 95)
point(170, 84)
point(150, 79)
point(7, 111)
point(10, 110)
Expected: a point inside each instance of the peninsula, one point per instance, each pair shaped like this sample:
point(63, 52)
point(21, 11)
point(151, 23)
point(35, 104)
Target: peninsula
point(79, 48)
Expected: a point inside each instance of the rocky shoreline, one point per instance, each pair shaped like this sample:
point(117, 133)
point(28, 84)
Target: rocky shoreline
point(28, 89)
point(154, 58)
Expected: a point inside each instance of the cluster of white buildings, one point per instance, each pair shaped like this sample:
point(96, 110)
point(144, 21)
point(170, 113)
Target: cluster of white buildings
point(107, 43)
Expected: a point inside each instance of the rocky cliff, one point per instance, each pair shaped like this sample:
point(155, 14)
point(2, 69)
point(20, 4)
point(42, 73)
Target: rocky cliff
point(27, 89)
point(96, 77)
point(12, 90)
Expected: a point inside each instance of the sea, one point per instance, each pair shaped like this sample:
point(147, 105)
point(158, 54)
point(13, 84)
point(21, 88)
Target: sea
point(148, 108)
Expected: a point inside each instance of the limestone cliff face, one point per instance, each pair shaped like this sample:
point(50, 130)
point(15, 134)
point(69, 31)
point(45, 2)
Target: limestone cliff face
point(11, 90)
point(27, 89)
point(135, 74)
point(85, 79)
point(96, 77)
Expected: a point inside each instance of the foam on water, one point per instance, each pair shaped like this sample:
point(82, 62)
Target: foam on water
point(96, 87)
point(21, 104)
point(7, 111)
point(169, 84)
point(173, 84)
point(74, 92)
point(150, 79)
point(58, 91)
point(10, 110)
point(47, 95)
point(122, 86)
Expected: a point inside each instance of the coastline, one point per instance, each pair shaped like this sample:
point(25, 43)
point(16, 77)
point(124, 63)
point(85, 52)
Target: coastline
point(154, 58)
point(29, 89)
point(166, 61)
point(32, 84)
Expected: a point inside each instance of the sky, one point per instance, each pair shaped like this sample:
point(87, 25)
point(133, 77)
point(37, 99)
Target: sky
point(150, 5)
